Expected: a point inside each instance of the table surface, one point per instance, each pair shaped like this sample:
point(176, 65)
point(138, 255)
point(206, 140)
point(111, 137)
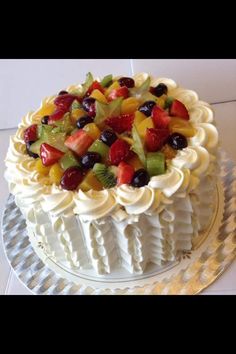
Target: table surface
point(225, 115)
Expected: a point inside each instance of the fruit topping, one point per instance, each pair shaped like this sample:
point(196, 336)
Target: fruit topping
point(104, 175)
point(69, 160)
point(64, 101)
point(147, 107)
point(178, 109)
point(140, 178)
point(29, 152)
point(92, 130)
point(49, 155)
point(119, 151)
point(82, 121)
point(79, 142)
point(155, 163)
point(129, 105)
point(99, 96)
point(108, 137)
point(121, 123)
point(184, 127)
point(90, 181)
point(102, 149)
point(138, 118)
point(159, 90)
point(135, 162)
point(119, 92)
point(160, 118)
point(96, 86)
point(57, 115)
point(156, 138)
point(71, 178)
point(31, 133)
point(62, 93)
point(137, 147)
point(177, 141)
point(48, 135)
point(41, 169)
point(89, 159)
point(168, 152)
point(65, 124)
point(89, 106)
point(125, 173)
point(168, 102)
point(55, 174)
point(44, 120)
point(126, 81)
point(147, 123)
point(106, 81)
point(103, 111)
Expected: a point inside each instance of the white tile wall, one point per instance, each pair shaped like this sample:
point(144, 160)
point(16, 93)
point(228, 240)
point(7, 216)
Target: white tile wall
point(213, 79)
point(23, 83)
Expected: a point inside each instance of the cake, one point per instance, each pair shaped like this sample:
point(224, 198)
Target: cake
point(116, 173)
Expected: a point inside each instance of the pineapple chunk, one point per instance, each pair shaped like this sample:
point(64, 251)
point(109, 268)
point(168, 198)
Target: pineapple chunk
point(144, 125)
point(98, 95)
point(138, 118)
point(92, 130)
point(129, 105)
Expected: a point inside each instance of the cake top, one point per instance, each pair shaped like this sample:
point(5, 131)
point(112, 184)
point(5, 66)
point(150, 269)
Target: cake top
point(106, 133)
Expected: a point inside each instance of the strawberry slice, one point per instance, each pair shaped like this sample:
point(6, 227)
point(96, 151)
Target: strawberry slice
point(125, 173)
point(178, 109)
point(156, 138)
point(57, 115)
point(95, 86)
point(65, 101)
point(49, 155)
point(31, 133)
point(121, 123)
point(79, 142)
point(119, 151)
point(120, 92)
point(160, 118)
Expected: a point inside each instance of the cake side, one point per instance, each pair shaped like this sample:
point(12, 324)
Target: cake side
point(122, 225)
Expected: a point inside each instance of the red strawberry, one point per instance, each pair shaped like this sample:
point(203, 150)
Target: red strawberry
point(57, 115)
point(120, 92)
point(31, 133)
point(49, 155)
point(160, 118)
point(125, 173)
point(121, 123)
point(178, 109)
point(118, 152)
point(155, 138)
point(79, 142)
point(95, 86)
point(65, 101)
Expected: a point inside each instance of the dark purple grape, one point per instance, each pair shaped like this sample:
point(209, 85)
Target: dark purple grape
point(62, 93)
point(159, 90)
point(81, 122)
point(89, 159)
point(87, 103)
point(177, 141)
point(71, 178)
point(30, 153)
point(45, 119)
point(108, 137)
point(147, 108)
point(126, 81)
point(140, 178)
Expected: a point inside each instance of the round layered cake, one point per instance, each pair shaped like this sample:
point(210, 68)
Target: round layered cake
point(116, 173)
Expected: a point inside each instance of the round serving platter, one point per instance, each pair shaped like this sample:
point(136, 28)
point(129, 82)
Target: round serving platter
point(212, 253)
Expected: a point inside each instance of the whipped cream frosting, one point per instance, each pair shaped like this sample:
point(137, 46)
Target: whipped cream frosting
point(183, 173)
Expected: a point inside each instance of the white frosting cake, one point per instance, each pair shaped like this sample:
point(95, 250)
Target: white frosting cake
point(123, 226)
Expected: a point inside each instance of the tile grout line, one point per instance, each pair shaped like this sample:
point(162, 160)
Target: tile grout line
point(8, 282)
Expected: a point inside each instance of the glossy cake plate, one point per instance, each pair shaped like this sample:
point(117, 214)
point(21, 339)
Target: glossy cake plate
point(213, 251)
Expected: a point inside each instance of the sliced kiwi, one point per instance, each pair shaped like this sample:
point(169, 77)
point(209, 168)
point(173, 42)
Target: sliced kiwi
point(106, 81)
point(105, 177)
point(155, 163)
point(68, 160)
point(101, 148)
point(168, 102)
